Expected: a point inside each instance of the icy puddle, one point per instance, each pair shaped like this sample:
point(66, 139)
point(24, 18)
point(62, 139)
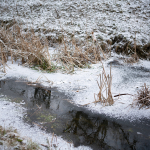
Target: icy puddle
point(51, 110)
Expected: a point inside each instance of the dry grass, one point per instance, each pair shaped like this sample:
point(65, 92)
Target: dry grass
point(105, 96)
point(24, 46)
point(73, 55)
point(30, 49)
point(134, 57)
point(143, 97)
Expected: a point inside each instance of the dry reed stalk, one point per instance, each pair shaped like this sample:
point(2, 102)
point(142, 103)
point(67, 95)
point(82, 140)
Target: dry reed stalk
point(95, 56)
point(105, 96)
point(94, 41)
point(134, 58)
point(78, 56)
point(40, 77)
point(142, 98)
point(26, 46)
point(104, 55)
point(2, 60)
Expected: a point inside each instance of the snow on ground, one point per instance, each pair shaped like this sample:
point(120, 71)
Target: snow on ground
point(82, 85)
point(106, 18)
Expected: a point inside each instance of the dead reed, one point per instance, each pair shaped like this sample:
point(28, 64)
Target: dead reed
point(30, 49)
point(104, 96)
point(73, 55)
point(134, 57)
point(143, 97)
point(24, 46)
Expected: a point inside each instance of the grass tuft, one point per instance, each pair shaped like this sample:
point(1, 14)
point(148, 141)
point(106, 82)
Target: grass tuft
point(33, 146)
point(26, 46)
point(105, 96)
point(143, 97)
point(71, 55)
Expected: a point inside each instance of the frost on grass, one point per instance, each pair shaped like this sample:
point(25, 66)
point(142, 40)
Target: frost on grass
point(10, 139)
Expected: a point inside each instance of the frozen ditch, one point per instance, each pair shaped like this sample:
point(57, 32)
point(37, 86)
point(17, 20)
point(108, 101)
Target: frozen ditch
point(19, 110)
point(46, 110)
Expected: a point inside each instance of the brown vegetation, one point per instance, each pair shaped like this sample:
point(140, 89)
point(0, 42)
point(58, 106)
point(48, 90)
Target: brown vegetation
point(25, 46)
point(105, 88)
point(73, 55)
point(143, 97)
point(121, 45)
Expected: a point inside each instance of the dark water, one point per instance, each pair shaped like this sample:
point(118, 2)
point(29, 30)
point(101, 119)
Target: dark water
point(51, 111)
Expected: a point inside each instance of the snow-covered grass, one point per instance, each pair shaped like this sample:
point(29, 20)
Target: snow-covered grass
point(105, 18)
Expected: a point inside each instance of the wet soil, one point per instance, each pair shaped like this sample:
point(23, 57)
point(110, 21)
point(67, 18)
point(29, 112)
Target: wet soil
point(51, 110)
